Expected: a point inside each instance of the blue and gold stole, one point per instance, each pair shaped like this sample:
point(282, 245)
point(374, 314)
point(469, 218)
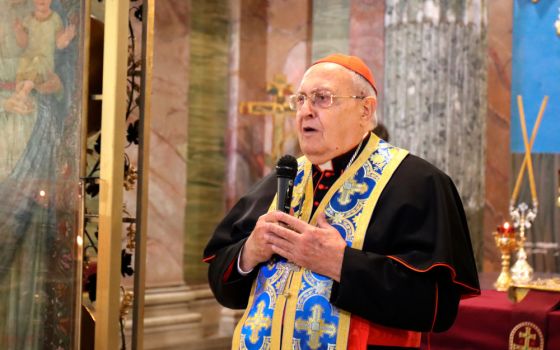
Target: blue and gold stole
point(289, 305)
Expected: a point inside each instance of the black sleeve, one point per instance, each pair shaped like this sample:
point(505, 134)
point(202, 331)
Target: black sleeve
point(417, 259)
point(383, 291)
point(229, 287)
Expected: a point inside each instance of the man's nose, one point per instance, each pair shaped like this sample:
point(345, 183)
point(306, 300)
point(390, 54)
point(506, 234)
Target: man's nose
point(306, 108)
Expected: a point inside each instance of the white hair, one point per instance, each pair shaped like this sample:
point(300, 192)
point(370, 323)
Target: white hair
point(364, 88)
point(361, 84)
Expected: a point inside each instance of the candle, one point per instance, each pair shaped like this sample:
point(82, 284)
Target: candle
point(527, 162)
point(506, 229)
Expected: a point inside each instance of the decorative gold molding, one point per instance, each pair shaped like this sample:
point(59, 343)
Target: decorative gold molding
point(111, 176)
point(148, 18)
point(86, 11)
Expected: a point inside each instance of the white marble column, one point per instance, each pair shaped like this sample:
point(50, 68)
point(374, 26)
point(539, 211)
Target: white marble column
point(435, 91)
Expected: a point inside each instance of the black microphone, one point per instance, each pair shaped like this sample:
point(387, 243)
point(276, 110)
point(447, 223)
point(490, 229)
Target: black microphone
point(286, 171)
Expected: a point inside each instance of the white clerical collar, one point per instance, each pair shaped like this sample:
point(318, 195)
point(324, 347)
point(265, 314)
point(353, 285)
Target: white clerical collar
point(328, 166)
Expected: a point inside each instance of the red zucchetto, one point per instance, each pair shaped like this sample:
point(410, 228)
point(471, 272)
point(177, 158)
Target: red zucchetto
point(353, 63)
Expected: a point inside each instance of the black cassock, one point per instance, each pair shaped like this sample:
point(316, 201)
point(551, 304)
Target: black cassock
point(418, 221)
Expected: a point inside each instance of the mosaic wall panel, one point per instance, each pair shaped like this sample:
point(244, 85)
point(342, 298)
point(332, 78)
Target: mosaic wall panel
point(40, 121)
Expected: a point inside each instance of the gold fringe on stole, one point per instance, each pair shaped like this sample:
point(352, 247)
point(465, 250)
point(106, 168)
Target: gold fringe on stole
point(365, 216)
point(276, 331)
point(296, 280)
point(371, 202)
point(236, 341)
point(290, 313)
point(362, 224)
point(364, 155)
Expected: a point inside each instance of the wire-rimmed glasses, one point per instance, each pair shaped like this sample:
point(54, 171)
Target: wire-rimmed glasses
point(321, 99)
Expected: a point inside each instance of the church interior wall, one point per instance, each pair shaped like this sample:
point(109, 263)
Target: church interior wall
point(498, 154)
point(212, 56)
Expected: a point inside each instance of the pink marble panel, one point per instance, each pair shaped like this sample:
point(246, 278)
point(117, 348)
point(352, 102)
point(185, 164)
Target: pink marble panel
point(289, 52)
point(247, 82)
point(167, 197)
point(367, 38)
point(267, 38)
point(498, 156)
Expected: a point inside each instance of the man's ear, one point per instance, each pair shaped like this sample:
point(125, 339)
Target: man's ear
point(369, 106)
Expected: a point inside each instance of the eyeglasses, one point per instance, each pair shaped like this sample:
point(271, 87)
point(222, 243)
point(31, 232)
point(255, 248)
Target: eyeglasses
point(321, 99)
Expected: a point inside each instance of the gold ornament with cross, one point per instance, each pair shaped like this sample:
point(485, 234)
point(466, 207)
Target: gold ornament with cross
point(524, 215)
point(315, 327)
point(349, 188)
point(531, 338)
point(257, 322)
point(279, 89)
point(527, 336)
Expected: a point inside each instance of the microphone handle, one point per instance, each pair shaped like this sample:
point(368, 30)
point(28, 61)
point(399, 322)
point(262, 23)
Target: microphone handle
point(284, 192)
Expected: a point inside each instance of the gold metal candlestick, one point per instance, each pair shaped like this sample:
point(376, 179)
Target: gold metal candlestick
point(522, 216)
point(507, 243)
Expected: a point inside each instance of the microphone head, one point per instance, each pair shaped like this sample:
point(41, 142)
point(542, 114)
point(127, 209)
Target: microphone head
point(287, 167)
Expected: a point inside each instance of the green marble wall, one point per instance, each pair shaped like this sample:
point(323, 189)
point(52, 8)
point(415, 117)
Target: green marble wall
point(207, 122)
point(331, 27)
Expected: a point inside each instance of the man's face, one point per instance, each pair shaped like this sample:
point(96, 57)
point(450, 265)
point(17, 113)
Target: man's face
point(325, 133)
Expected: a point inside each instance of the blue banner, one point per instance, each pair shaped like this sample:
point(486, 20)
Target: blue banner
point(536, 73)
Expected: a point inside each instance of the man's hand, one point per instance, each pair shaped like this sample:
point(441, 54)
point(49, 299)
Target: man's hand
point(317, 248)
point(257, 248)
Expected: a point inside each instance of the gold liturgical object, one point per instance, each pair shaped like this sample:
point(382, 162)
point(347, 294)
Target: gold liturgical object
point(522, 214)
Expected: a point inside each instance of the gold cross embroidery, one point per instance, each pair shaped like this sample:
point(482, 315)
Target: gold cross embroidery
point(286, 269)
point(349, 188)
point(315, 327)
point(279, 89)
point(257, 322)
point(527, 336)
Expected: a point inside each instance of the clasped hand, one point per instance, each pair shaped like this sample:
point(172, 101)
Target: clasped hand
point(318, 248)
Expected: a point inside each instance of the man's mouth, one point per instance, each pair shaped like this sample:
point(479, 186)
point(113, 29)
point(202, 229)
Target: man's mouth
point(307, 129)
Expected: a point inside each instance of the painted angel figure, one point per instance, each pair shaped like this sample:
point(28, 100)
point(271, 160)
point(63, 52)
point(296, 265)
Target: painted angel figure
point(39, 35)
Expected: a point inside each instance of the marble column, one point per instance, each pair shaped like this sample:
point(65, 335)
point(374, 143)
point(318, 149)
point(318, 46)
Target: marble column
point(207, 120)
point(189, 100)
point(331, 26)
point(435, 91)
point(168, 149)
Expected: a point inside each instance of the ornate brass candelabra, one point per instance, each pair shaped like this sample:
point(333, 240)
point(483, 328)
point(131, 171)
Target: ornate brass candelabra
point(506, 241)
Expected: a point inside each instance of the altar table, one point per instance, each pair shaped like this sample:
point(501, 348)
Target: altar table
point(485, 322)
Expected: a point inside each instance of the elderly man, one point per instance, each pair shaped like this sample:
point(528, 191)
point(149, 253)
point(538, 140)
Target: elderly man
point(375, 250)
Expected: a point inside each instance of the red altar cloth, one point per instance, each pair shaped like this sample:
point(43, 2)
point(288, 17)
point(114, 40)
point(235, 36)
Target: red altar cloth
point(485, 322)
